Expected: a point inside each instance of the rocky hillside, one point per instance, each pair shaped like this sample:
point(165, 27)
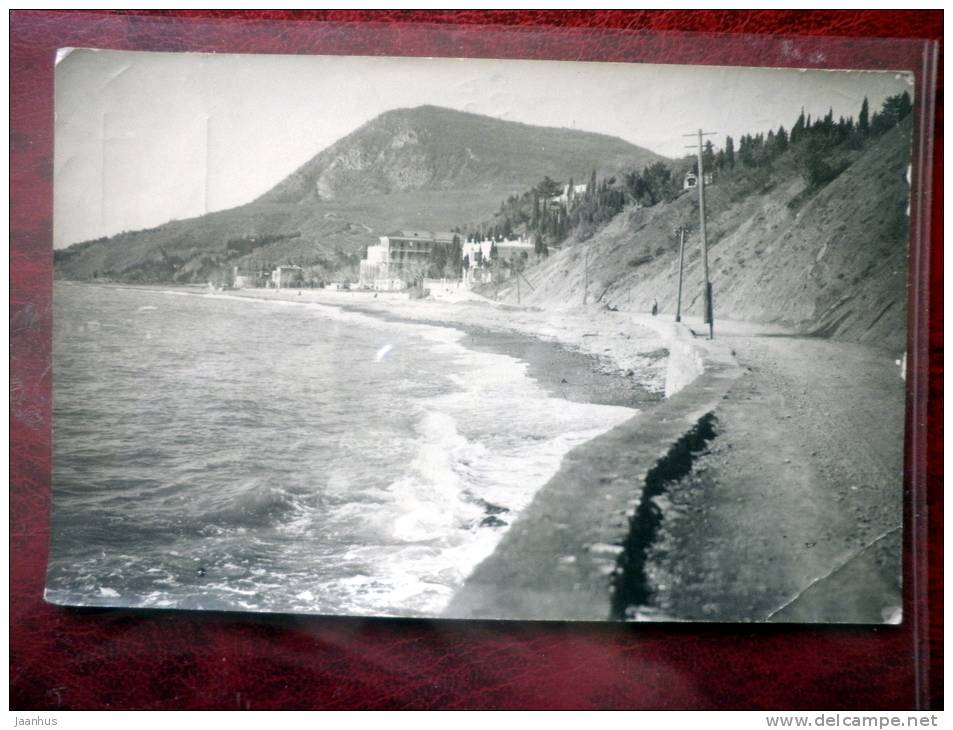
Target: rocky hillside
point(433, 148)
point(830, 261)
point(423, 168)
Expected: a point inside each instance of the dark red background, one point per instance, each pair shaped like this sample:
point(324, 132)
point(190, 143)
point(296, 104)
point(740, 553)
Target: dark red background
point(119, 659)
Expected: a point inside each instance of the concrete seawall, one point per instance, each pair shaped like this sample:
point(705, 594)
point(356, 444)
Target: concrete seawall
point(687, 354)
point(573, 553)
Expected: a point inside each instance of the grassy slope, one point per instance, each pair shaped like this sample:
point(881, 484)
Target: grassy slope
point(835, 266)
point(324, 227)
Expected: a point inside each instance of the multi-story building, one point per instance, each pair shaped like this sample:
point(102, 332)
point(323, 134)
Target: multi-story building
point(483, 267)
point(287, 276)
point(400, 257)
point(247, 279)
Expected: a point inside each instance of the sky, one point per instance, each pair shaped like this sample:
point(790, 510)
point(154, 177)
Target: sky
point(143, 138)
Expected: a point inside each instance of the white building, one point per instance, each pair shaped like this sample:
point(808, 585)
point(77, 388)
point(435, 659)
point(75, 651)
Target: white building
point(505, 250)
point(482, 267)
point(244, 279)
point(568, 196)
point(400, 257)
point(691, 180)
point(285, 276)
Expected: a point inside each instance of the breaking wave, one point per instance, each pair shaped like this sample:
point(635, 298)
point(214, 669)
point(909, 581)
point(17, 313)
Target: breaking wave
point(288, 456)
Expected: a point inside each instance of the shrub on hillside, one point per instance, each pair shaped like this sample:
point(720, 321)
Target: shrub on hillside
point(818, 165)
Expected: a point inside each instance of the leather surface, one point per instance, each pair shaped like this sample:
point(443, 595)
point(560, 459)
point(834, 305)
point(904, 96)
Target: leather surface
point(63, 658)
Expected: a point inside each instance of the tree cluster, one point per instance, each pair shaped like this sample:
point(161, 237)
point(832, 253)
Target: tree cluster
point(814, 141)
point(657, 183)
point(551, 212)
point(446, 259)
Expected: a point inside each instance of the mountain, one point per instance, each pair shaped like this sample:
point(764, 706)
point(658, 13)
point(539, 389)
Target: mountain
point(424, 168)
point(828, 261)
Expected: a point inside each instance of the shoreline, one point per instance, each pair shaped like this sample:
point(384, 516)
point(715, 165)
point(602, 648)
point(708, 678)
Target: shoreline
point(563, 372)
point(563, 367)
point(762, 488)
point(768, 489)
point(519, 579)
point(552, 416)
point(558, 364)
point(571, 553)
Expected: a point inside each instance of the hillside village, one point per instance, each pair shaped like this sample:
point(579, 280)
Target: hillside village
point(422, 168)
point(404, 259)
point(772, 199)
point(807, 228)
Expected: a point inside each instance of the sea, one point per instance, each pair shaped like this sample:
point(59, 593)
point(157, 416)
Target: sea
point(231, 453)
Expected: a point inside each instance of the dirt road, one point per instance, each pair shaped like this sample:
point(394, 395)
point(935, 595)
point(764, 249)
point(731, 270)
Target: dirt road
point(794, 511)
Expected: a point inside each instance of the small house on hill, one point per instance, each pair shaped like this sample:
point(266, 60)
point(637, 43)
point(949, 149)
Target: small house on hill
point(691, 180)
point(568, 195)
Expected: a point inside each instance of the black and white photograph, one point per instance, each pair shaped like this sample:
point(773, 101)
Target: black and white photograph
point(479, 338)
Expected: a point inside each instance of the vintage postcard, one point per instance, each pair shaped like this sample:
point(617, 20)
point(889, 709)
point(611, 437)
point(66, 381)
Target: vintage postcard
point(476, 338)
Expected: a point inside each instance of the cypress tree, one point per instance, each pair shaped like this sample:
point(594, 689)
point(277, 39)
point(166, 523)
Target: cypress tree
point(904, 106)
point(781, 139)
point(730, 151)
point(863, 121)
point(798, 129)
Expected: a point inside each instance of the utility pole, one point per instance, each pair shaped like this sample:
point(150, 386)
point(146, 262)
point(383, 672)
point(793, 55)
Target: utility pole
point(585, 288)
point(680, 232)
point(709, 314)
point(527, 281)
point(515, 268)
